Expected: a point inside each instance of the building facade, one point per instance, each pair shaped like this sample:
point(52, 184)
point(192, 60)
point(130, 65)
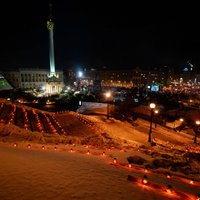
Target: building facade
point(27, 78)
point(124, 78)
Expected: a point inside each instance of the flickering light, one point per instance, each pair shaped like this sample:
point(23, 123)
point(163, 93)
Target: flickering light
point(169, 189)
point(146, 171)
point(15, 145)
point(191, 182)
point(129, 165)
point(55, 148)
point(156, 111)
point(145, 180)
point(71, 150)
point(115, 160)
point(43, 147)
point(28, 146)
point(168, 175)
point(88, 152)
point(103, 154)
point(198, 196)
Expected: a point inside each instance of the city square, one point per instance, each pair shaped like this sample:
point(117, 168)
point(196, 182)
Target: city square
point(99, 101)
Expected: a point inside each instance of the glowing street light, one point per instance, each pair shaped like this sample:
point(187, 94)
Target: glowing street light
point(196, 130)
point(152, 106)
point(156, 112)
point(181, 120)
point(108, 96)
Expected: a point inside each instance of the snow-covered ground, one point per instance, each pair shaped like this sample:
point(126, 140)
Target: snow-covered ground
point(135, 134)
point(47, 174)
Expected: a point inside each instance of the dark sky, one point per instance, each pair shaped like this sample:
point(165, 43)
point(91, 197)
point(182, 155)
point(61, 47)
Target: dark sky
point(116, 34)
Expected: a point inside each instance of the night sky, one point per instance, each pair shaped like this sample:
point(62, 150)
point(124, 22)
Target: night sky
point(118, 34)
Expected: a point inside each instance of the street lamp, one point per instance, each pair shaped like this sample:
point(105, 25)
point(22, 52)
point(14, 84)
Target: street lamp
point(181, 119)
point(152, 106)
point(196, 130)
point(156, 112)
point(108, 95)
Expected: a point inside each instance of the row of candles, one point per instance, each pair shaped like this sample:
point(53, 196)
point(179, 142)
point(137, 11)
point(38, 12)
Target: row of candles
point(36, 123)
point(144, 181)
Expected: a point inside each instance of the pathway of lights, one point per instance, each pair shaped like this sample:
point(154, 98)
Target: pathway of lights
point(82, 119)
point(5, 109)
point(51, 128)
point(11, 116)
point(167, 190)
point(88, 122)
point(188, 148)
point(38, 123)
point(144, 181)
point(42, 122)
point(148, 171)
point(29, 119)
point(178, 148)
point(26, 121)
point(48, 120)
point(47, 123)
point(59, 126)
point(1, 108)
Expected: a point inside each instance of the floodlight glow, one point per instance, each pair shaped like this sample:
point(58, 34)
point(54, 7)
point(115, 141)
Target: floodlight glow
point(80, 74)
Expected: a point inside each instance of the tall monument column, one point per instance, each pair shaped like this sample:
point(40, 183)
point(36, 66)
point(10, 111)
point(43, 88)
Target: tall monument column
point(50, 26)
point(54, 84)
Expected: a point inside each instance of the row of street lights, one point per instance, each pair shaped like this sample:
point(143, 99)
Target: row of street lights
point(153, 110)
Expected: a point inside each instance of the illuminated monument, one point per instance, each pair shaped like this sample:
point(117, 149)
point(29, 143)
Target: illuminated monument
point(54, 85)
